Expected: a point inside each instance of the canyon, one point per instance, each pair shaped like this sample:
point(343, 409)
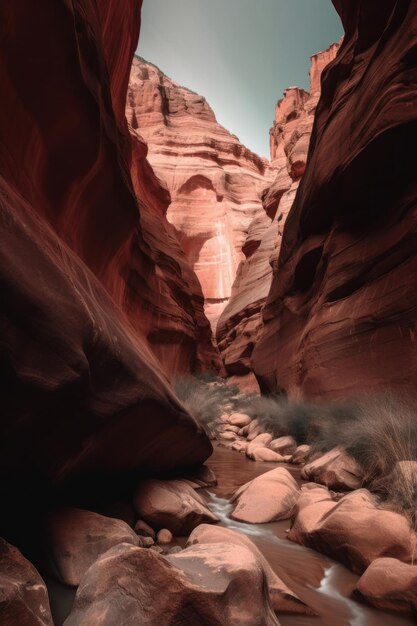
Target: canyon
point(141, 245)
point(216, 183)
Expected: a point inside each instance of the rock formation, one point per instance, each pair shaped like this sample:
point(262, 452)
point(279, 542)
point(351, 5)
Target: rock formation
point(241, 321)
point(342, 311)
point(84, 277)
point(214, 181)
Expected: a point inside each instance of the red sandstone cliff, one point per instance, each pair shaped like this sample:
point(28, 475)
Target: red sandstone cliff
point(83, 273)
point(341, 315)
point(214, 181)
point(241, 321)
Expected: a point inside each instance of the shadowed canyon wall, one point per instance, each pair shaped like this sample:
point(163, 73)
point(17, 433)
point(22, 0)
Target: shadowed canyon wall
point(241, 321)
point(341, 314)
point(214, 181)
point(87, 286)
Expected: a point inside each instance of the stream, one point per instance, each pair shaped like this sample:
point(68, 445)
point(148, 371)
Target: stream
point(322, 583)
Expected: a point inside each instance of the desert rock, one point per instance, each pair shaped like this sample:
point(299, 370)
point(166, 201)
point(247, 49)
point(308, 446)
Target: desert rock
point(270, 497)
point(23, 594)
point(167, 504)
point(202, 584)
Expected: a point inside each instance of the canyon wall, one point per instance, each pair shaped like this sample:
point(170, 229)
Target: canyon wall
point(341, 314)
point(241, 321)
point(84, 274)
point(214, 181)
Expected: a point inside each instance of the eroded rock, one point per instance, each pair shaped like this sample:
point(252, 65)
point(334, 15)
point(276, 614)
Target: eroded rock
point(203, 584)
point(390, 585)
point(171, 504)
point(335, 469)
point(267, 498)
point(282, 598)
point(77, 538)
point(352, 530)
point(284, 445)
point(23, 595)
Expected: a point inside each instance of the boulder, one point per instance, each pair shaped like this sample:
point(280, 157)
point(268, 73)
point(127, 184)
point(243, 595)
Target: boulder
point(164, 536)
point(300, 455)
point(244, 432)
point(260, 441)
point(227, 436)
point(284, 445)
point(390, 585)
point(254, 429)
point(267, 498)
point(203, 584)
point(23, 594)
point(282, 598)
point(171, 504)
point(335, 469)
point(76, 538)
point(239, 419)
point(265, 454)
point(352, 530)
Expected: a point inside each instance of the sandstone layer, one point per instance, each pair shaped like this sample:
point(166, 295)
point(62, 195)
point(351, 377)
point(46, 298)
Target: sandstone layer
point(83, 279)
point(241, 321)
point(342, 311)
point(215, 182)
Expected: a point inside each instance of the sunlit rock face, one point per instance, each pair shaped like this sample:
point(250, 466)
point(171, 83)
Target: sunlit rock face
point(214, 181)
point(241, 321)
point(342, 311)
point(84, 398)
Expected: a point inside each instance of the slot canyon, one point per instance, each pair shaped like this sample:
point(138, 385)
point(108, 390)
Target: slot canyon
point(208, 357)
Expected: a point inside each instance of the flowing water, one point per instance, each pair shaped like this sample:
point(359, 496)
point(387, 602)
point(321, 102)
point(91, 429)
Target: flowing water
point(323, 584)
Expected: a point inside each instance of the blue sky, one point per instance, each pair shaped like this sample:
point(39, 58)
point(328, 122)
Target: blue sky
point(239, 54)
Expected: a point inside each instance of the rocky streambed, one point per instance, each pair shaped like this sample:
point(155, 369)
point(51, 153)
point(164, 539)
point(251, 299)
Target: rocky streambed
point(322, 583)
point(241, 554)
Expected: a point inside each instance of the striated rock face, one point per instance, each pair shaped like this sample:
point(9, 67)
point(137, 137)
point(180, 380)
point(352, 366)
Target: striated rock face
point(341, 315)
point(241, 321)
point(214, 181)
point(163, 296)
point(82, 393)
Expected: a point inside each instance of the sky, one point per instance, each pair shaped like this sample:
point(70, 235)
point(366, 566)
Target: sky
point(239, 54)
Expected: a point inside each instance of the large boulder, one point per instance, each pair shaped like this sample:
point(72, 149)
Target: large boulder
point(204, 584)
point(335, 469)
point(352, 530)
point(23, 595)
point(390, 585)
point(282, 598)
point(171, 504)
point(75, 539)
point(270, 497)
